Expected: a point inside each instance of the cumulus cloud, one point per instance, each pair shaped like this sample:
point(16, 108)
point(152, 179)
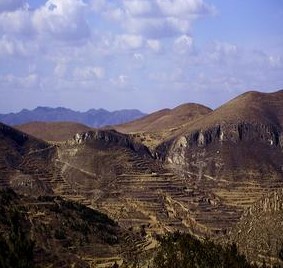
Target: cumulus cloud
point(155, 19)
point(17, 22)
point(62, 19)
point(139, 7)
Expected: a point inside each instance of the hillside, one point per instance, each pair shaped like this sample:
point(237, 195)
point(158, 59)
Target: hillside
point(159, 126)
point(51, 232)
point(198, 178)
point(91, 118)
point(165, 119)
point(53, 131)
point(259, 231)
point(235, 151)
point(24, 160)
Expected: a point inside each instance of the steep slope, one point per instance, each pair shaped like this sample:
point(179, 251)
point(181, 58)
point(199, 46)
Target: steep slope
point(235, 152)
point(34, 168)
point(122, 178)
point(91, 118)
point(259, 231)
point(50, 232)
point(53, 131)
point(25, 161)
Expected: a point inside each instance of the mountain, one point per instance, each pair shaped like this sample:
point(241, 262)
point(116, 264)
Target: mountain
point(165, 119)
point(159, 126)
point(53, 131)
point(91, 118)
point(198, 173)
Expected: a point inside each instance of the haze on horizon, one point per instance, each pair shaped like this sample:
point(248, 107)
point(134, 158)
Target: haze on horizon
point(144, 54)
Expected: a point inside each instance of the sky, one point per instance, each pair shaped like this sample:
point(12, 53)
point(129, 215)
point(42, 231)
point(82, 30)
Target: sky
point(143, 54)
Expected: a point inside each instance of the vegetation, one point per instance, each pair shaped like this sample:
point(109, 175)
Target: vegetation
point(16, 248)
point(185, 251)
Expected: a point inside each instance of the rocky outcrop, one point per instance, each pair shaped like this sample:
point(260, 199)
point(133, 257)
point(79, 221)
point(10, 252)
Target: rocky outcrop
point(222, 133)
point(111, 138)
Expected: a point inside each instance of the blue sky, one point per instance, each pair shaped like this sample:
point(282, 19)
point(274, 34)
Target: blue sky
point(145, 54)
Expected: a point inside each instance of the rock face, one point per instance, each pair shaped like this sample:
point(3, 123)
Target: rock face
point(217, 140)
point(111, 137)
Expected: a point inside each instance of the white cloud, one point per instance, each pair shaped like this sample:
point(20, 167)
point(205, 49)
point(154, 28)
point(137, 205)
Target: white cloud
point(89, 73)
point(184, 8)
point(62, 19)
point(10, 81)
point(154, 45)
point(155, 19)
point(17, 22)
point(183, 44)
point(129, 41)
point(222, 53)
point(138, 7)
point(275, 61)
point(16, 48)
point(60, 70)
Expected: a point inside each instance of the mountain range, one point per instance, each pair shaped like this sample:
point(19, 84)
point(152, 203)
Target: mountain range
point(91, 118)
point(213, 173)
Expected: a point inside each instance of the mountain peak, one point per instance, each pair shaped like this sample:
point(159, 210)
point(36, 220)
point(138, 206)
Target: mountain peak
point(91, 118)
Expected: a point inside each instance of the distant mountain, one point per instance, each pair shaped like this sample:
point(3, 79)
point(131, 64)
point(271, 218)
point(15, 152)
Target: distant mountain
point(91, 118)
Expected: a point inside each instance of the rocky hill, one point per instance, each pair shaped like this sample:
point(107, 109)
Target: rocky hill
point(53, 131)
point(200, 176)
point(91, 118)
point(159, 126)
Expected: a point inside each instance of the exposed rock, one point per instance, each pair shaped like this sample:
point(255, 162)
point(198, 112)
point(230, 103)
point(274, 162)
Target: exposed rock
point(111, 137)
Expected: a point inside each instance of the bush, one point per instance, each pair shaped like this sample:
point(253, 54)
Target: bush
point(185, 251)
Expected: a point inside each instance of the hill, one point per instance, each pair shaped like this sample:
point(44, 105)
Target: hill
point(200, 177)
point(23, 160)
point(51, 232)
point(235, 151)
point(91, 118)
point(53, 131)
point(159, 126)
point(165, 119)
